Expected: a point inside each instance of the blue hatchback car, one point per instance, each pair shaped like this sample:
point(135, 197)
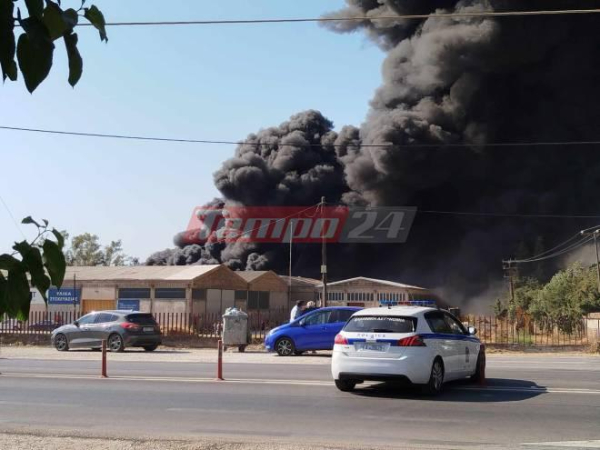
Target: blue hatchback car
point(315, 330)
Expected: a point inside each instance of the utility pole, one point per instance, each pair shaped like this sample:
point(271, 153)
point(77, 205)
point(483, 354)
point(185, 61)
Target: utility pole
point(595, 234)
point(509, 272)
point(74, 295)
point(290, 268)
point(323, 255)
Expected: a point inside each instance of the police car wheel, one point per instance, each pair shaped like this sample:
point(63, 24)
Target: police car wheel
point(476, 377)
point(345, 385)
point(436, 378)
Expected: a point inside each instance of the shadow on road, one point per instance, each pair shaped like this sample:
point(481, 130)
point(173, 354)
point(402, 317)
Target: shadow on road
point(497, 390)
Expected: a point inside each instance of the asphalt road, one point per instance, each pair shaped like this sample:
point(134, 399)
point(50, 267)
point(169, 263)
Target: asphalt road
point(529, 400)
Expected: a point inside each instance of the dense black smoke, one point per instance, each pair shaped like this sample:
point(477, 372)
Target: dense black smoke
point(451, 88)
point(293, 164)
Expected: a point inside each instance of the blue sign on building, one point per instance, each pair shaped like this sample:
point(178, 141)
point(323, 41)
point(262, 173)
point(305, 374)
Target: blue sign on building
point(65, 296)
point(128, 304)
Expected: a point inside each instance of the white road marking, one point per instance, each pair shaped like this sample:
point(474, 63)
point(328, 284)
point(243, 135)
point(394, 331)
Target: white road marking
point(217, 411)
point(315, 383)
point(566, 444)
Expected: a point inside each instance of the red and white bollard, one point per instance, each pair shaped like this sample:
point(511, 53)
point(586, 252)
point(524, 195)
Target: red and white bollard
point(103, 375)
point(220, 362)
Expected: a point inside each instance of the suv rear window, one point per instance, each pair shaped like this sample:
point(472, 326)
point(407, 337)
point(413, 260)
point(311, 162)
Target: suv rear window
point(381, 324)
point(141, 319)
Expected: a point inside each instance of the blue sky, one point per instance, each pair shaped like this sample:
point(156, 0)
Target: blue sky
point(213, 82)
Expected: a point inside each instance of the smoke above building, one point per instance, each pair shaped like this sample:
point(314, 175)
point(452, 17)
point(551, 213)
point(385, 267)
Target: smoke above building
point(452, 89)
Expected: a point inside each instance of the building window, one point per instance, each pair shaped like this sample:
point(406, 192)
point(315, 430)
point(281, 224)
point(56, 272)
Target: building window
point(240, 295)
point(134, 293)
point(170, 293)
point(199, 294)
point(258, 300)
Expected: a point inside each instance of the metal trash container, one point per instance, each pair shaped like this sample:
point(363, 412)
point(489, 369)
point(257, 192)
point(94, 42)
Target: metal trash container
point(235, 329)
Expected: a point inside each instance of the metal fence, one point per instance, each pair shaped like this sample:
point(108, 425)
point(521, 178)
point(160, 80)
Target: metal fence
point(490, 329)
point(503, 331)
point(171, 324)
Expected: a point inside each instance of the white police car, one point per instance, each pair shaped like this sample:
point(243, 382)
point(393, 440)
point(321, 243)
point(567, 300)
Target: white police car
point(411, 344)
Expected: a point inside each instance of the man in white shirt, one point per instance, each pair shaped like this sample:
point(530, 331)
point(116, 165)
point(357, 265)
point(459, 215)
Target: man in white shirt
point(297, 310)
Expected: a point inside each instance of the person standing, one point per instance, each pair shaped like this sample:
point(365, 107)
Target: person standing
point(297, 310)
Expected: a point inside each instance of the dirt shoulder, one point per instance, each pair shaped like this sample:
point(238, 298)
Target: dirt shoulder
point(57, 440)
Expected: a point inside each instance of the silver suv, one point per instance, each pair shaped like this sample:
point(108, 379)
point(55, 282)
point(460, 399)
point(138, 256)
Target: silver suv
point(119, 328)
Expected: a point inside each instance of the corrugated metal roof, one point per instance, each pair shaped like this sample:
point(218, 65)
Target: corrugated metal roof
point(374, 280)
point(160, 273)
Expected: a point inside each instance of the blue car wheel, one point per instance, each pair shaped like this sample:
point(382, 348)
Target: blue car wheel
point(285, 347)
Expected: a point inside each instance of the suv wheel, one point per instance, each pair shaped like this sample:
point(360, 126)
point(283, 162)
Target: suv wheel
point(115, 343)
point(61, 343)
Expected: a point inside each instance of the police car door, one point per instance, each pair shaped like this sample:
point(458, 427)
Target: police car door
point(466, 351)
point(444, 343)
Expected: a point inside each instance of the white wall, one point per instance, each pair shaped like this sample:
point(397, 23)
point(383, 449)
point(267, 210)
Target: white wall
point(98, 293)
point(168, 306)
point(219, 300)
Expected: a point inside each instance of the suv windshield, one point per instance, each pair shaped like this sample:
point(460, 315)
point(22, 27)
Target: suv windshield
point(382, 324)
point(141, 319)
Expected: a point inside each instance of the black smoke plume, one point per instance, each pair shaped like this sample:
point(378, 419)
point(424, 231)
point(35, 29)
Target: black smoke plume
point(451, 89)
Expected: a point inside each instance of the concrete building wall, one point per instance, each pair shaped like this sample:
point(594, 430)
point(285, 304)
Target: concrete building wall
point(169, 306)
point(218, 300)
point(278, 300)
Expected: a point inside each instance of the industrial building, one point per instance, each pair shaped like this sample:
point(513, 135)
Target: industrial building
point(196, 289)
point(209, 289)
point(301, 288)
point(371, 292)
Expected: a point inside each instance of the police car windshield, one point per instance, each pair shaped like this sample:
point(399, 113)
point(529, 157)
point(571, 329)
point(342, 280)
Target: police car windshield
point(381, 324)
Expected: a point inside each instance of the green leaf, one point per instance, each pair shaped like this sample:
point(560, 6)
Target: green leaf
point(75, 61)
point(17, 296)
point(54, 261)
point(71, 18)
point(54, 21)
point(32, 258)
point(34, 52)
point(96, 18)
point(7, 40)
point(45, 222)
point(28, 220)
point(35, 8)
point(60, 239)
point(8, 262)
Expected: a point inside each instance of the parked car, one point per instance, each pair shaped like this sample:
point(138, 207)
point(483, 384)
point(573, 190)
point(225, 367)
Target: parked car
point(11, 325)
point(313, 331)
point(120, 329)
point(416, 345)
point(43, 325)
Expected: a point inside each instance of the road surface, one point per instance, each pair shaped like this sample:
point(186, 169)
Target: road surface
point(530, 401)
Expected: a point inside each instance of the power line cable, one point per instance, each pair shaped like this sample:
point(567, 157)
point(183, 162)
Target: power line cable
point(17, 226)
point(261, 144)
point(575, 236)
point(460, 15)
point(568, 249)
